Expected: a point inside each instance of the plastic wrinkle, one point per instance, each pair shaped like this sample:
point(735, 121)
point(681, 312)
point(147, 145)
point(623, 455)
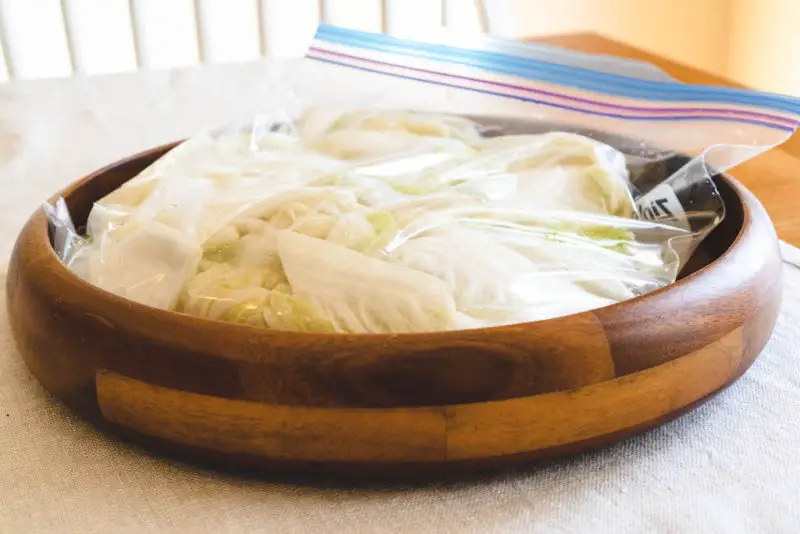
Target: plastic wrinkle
point(346, 217)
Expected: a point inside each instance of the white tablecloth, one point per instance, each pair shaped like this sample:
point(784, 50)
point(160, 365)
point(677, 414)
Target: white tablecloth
point(731, 466)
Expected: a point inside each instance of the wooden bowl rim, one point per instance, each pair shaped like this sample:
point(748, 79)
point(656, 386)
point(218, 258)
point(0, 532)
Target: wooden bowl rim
point(38, 233)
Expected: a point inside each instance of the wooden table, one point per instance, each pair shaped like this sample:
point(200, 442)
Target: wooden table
point(774, 176)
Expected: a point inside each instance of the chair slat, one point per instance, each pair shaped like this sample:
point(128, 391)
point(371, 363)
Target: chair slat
point(9, 68)
point(289, 40)
point(58, 37)
point(68, 18)
point(34, 39)
point(166, 32)
point(495, 16)
point(228, 30)
point(263, 41)
point(201, 28)
point(99, 35)
point(356, 14)
point(412, 17)
point(461, 14)
point(137, 24)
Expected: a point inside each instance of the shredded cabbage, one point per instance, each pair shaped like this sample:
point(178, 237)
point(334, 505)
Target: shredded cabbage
point(377, 221)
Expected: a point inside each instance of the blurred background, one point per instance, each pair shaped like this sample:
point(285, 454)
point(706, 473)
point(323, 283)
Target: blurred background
point(752, 42)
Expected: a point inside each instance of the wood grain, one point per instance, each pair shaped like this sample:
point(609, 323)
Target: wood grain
point(241, 395)
point(774, 177)
point(429, 434)
point(274, 431)
point(554, 419)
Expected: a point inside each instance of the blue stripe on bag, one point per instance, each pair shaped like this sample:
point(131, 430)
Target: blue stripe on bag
point(580, 78)
point(659, 118)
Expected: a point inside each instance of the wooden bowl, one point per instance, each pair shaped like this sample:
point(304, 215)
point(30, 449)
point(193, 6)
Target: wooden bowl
point(393, 403)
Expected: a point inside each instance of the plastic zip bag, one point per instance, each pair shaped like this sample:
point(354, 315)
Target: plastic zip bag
point(431, 186)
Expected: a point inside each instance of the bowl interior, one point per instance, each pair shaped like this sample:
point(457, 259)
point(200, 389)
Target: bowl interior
point(82, 196)
point(429, 369)
point(350, 402)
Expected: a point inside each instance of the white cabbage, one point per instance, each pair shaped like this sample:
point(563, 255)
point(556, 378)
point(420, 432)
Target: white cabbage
point(362, 294)
point(377, 221)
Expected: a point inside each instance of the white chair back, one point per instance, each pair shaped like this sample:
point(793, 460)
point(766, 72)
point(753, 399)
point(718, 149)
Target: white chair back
point(54, 38)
